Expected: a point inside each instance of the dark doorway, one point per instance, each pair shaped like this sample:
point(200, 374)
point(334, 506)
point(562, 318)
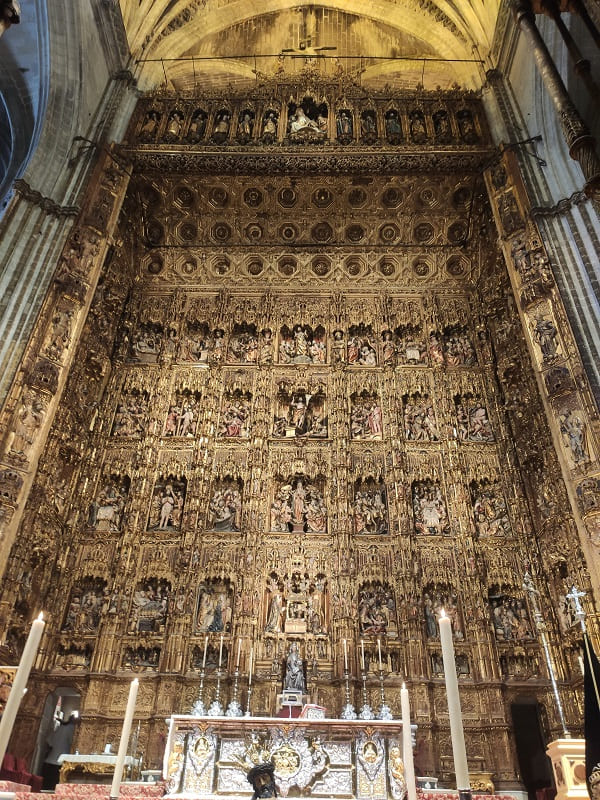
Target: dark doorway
point(58, 708)
point(534, 764)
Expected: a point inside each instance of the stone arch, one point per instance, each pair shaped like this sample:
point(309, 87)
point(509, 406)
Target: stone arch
point(24, 85)
point(172, 35)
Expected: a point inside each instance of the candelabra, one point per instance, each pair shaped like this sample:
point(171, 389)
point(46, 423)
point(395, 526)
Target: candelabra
point(216, 709)
point(248, 698)
point(385, 711)
point(234, 709)
point(366, 711)
point(198, 709)
point(348, 711)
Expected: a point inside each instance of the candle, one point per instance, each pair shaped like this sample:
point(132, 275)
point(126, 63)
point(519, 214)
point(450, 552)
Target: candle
point(221, 651)
point(456, 727)
point(124, 742)
point(250, 666)
point(237, 661)
point(345, 655)
point(407, 749)
point(362, 654)
point(379, 653)
point(204, 656)
point(19, 684)
point(581, 667)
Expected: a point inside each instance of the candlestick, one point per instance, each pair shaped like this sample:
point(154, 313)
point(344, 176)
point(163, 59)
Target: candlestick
point(379, 653)
point(16, 693)
point(362, 655)
point(204, 656)
point(366, 711)
point(216, 709)
point(237, 661)
point(456, 727)
point(124, 742)
point(198, 709)
point(348, 711)
point(221, 651)
point(385, 711)
point(248, 698)
point(234, 709)
point(407, 748)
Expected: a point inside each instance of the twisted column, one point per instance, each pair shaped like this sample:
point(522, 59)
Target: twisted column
point(581, 64)
point(579, 140)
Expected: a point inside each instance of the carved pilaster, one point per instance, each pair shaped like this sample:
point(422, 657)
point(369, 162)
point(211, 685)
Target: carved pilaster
point(561, 378)
point(577, 136)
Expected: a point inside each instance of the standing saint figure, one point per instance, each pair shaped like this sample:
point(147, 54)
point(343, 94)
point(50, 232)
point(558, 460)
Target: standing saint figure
point(275, 609)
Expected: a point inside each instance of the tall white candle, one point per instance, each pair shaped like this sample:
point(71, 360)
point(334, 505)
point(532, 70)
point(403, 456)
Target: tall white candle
point(221, 651)
point(124, 742)
point(204, 656)
point(237, 661)
point(407, 749)
point(18, 688)
point(250, 666)
point(362, 654)
point(379, 653)
point(456, 727)
point(345, 655)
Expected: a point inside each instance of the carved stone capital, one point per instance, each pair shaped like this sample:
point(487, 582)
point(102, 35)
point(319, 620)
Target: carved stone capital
point(522, 10)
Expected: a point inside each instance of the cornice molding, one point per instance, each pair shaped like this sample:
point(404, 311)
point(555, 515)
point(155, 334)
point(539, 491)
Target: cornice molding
point(277, 161)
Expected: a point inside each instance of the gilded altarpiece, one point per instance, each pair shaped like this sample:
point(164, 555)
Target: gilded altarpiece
point(302, 410)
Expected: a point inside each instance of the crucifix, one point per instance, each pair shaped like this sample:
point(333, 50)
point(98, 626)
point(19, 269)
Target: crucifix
point(575, 597)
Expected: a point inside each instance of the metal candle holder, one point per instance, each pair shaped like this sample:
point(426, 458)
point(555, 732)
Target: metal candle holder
point(234, 709)
point(248, 697)
point(385, 711)
point(198, 709)
point(366, 711)
point(216, 709)
point(348, 711)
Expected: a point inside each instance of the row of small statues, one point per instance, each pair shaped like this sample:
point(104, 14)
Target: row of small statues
point(311, 120)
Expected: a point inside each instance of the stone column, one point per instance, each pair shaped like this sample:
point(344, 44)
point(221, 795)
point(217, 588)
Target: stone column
point(578, 7)
point(579, 140)
point(581, 64)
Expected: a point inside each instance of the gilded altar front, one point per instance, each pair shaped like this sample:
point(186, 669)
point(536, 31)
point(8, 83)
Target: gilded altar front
point(319, 758)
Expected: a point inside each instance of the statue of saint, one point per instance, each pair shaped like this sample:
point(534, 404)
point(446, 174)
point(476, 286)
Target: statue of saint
point(294, 672)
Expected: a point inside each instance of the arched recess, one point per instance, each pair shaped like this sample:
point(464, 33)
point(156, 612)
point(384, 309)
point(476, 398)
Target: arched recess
point(24, 82)
point(6, 138)
point(68, 699)
point(182, 29)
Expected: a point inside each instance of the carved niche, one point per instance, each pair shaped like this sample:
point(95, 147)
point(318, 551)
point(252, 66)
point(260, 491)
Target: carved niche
point(298, 505)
